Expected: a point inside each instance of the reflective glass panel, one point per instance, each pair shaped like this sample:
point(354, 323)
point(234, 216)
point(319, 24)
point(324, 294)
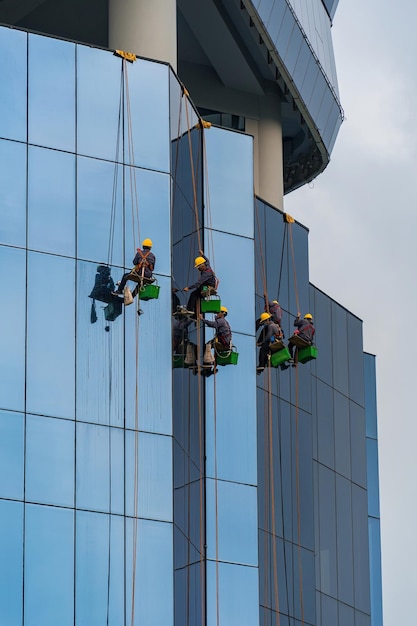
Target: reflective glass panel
point(99, 79)
point(51, 93)
point(370, 396)
point(51, 201)
point(340, 348)
point(148, 344)
point(153, 591)
point(99, 211)
point(344, 539)
point(234, 406)
point(13, 79)
point(49, 566)
point(355, 359)
point(323, 338)
point(230, 181)
point(149, 115)
point(11, 455)
point(148, 216)
point(100, 468)
point(13, 316)
point(221, 247)
point(49, 460)
point(99, 346)
point(13, 192)
point(274, 18)
point(325, 424)
point(11, 562)
point(99, 569)
point(232, 518)
point(373, 478)
point(152, 455)
point(239, 595)
point(50, 388)
point(342, 434)
point(327, 532)
point(358, 444)
point(375, 569)
point(360, 549)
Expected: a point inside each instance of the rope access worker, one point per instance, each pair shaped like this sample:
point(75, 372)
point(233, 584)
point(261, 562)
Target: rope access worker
point(144, 265)
point(207, 279)
point(222, 340)
point(274, 308)
point(271, 332)
point(305, 330)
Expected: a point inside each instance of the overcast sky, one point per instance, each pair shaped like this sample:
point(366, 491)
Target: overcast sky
point(362, 217)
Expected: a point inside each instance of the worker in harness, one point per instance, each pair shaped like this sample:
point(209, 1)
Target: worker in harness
point(304, 330)
point(142, 272)
point(222, 340)
point(207, 278)
point(270, 333)
point(274, 308)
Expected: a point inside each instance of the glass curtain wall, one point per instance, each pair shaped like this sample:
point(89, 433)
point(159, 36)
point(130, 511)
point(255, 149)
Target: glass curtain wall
point(284, 433)
point(340, 467)
point(86, 434)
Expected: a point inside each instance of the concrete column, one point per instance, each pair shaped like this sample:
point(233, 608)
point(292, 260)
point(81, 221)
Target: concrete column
point(268, 160)
point(147, 28)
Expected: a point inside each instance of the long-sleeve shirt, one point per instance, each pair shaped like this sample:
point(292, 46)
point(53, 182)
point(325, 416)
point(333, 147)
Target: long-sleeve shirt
point(306, 329)
point(207, 277)
point(269, 333)
point(223, 330)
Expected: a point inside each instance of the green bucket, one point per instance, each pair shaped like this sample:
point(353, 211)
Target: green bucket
point(227, 358)
point(149, 292)
point(307, 354)
point(277, 358)
point(211, 304)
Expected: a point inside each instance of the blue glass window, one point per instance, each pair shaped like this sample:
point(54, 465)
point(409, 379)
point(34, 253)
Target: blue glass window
point(13, 79)
point(13, 192)
point(50, 388)
point(49, 461)
point(51, 201)
point(11, 455)
point(12, 353)
point(11, 562)
point(239, 596)
point(49, 566)
point(51, 93)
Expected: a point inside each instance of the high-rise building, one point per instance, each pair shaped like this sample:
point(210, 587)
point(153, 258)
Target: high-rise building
point(138, 484)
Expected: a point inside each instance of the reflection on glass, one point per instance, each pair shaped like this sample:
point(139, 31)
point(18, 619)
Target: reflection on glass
point(11, 563)
point(50, 388)
point(51, 201)
point(13, 192)
point(12, 353)
point(13, 81)
point(11, 455)
point(99, 337)
point(49, 566)
point(49, 460)
point(51, 92)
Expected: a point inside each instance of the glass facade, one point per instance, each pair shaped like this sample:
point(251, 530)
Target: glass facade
point(134, 491)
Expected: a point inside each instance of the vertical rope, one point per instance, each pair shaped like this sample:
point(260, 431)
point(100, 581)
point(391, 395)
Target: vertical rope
point(216, 501)
point(293, 266)
point(297, 474)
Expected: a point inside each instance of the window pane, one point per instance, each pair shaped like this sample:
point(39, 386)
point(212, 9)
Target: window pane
point(49, 566)
point(13, 192)
point(99, 211)
point(49, 461)
point(50, 341)
point(239, 597)
point(11, 455)
point(99, 349)
point(100, 468)
point(13, 79)
point(51, 201)
point(13, 315)
point(51, 92)
point(99, 569)
point(11, 563)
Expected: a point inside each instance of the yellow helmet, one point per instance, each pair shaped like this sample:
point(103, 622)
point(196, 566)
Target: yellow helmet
point(265, 316)
point(147, 243)
point(199, 261)
point(223, 309)
point(308, 316)
point(275, 302)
